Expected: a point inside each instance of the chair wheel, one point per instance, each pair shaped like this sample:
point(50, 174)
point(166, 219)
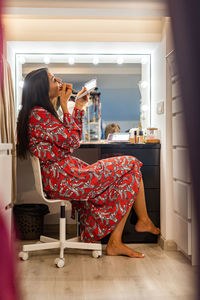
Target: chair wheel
point(23, 255)
point(59, 262)
point(96, 254)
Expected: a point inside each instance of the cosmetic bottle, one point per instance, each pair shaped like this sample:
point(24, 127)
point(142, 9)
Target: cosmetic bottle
point(135, 137)
point(140, 137)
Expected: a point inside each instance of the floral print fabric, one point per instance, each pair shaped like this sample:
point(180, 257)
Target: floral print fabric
point(101, 192)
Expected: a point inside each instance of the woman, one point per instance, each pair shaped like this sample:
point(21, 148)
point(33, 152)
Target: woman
point(103, 192)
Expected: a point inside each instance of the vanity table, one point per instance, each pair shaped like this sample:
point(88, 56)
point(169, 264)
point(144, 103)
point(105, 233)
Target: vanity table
point(149, 155)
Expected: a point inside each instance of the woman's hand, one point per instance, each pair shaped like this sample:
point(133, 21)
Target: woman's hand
point(81, 102)
point(65, 96)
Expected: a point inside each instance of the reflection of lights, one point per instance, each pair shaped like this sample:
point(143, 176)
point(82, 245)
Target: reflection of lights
point(144, 107)
point(46, 60)
point(20, 107)
point(21, 83)
point(143, 84)
point(95, 60)
point(71, 60)
point(120, 60)
point(22, 60)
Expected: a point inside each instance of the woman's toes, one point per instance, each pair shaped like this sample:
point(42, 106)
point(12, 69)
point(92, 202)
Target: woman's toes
point(137, 254)
point(121, 249)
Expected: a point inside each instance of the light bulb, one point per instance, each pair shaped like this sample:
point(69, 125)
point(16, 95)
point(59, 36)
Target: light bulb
point(46, 60)
point(144, 107)
point(95, 60)
point(71, 60)
point(120, 60)
point(144, 84)
point(21, 83)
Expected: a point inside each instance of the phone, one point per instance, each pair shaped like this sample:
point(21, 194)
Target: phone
point(89, 85)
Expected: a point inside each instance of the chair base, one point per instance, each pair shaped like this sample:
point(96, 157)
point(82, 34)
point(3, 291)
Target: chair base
point(50, 243)
point(46, 243)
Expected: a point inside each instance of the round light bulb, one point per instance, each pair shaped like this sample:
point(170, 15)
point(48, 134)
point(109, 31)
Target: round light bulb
point(120, 60)
point(144, 107)
point(46, 60)
point(71, 60)
point(143, 84)
point(21, 83)
point(95, 60)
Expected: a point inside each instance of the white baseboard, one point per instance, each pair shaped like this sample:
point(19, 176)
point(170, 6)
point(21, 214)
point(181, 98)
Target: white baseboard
point(168, 245)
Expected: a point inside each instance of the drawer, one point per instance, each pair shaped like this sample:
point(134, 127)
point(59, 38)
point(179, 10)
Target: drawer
point(183, 234)
point(152, 197)
point(178, 130)
point(151, 176)
point(182, 197)
point(177, 105)
point(89, 155)
point(181, 166)
point(149, 157)
point(176, 92)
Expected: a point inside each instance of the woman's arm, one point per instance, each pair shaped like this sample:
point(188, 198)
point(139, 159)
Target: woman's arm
point(78, 112)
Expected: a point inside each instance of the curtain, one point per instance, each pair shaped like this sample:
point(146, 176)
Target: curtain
point(7, 118)
point(1, 40)
point(186, 28)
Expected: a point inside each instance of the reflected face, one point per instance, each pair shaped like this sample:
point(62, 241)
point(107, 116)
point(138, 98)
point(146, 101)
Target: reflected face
point(55, 86)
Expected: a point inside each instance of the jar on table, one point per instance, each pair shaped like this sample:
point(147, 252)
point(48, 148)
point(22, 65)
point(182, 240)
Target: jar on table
point(152, 136)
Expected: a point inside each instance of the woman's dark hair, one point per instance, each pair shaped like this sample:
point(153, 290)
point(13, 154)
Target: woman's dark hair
point(35, 93)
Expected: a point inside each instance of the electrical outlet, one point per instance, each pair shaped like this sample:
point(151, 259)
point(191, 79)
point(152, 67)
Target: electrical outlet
point(160, 108)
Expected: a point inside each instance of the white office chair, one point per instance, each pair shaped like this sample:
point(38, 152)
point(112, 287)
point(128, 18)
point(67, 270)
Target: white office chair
point(62, 243)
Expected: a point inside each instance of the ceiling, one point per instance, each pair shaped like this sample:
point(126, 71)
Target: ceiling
point(90, 20)
point(86, 9)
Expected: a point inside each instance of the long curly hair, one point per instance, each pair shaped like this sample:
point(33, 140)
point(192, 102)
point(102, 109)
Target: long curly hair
point(35, 93)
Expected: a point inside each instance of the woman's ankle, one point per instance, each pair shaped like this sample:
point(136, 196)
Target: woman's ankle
point(114, 240)
point(144, 219)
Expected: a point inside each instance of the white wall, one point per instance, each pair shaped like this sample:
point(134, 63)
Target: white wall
point(160, 79)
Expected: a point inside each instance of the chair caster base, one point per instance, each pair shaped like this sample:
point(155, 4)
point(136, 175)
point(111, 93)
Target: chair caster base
point(96, 254)
point(23, 255)
point(59, 262)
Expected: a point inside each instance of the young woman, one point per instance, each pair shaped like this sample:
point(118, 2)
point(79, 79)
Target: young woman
point(103, 192)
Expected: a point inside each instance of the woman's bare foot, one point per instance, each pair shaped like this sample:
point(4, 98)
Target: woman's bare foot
point(146, 226)
point(117, 248)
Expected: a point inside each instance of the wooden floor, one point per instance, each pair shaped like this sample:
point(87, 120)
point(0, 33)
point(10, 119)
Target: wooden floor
point(160, 275)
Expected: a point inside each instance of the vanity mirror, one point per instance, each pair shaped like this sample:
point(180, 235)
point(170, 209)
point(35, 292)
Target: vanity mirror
point(124, 82)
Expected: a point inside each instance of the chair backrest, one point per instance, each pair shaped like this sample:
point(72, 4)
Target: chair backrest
point(38, 178)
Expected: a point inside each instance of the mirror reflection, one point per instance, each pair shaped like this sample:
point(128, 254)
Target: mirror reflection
point(121, 100)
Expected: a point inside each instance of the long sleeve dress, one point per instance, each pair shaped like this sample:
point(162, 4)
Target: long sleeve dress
point(102, 192)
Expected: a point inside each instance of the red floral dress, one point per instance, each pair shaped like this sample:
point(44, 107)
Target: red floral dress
point(102, 192)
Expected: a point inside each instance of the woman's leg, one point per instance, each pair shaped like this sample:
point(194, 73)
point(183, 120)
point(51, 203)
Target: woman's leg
point(115, 245)
point(144, 224)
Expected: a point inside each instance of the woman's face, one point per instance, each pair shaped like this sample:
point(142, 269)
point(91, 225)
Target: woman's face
point(55, 86)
